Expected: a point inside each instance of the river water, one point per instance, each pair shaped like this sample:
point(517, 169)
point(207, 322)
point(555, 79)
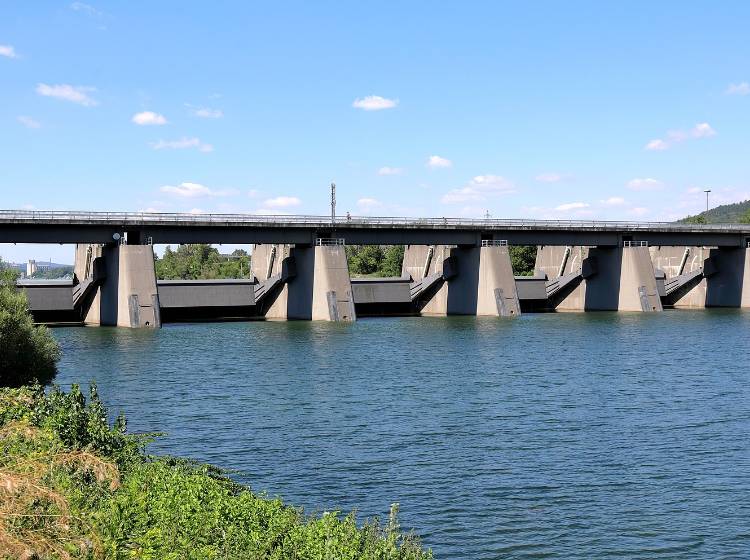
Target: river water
point(587, 435)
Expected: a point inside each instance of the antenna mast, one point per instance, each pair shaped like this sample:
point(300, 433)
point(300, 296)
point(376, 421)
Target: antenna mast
point(333, 204)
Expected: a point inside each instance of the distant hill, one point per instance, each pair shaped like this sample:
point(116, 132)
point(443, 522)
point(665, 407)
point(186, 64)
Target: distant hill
point(736, 213)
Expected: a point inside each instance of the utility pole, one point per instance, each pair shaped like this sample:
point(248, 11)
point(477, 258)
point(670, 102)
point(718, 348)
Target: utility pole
point(707, 191)
point(333, 204)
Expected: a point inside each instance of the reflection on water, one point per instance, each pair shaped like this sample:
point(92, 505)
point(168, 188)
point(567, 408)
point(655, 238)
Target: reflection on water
point(564, 435)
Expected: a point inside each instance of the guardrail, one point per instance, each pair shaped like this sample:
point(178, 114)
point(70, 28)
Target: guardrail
point(146, 218)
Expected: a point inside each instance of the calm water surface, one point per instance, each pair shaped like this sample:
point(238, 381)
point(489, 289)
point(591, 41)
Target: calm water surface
point(594, 435)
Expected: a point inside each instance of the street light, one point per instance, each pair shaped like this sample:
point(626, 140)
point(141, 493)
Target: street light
point(707, 191)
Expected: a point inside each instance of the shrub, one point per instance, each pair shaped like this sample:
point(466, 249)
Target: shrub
point(27, 352)
point(74, 487)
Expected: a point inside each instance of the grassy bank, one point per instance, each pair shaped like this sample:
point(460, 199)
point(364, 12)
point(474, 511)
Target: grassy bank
point(74, 486)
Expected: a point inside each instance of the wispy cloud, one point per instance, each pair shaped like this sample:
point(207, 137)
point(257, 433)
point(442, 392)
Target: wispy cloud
point(571, 206)
point(700, 130)
point(8, 51)
point(205, 112)
point(374, 103)
point(645, 184)
point(28, 122)
point(613, 201)
point(86, 9)
point(549, 177)
point(638, 211)
point(367, 204)
point(66, 92)
point(743, 88)
point(437, 162)
point(182, 144)
point(390, 171)
point(146, 118)
point(194, 190)
point(282, 202)
point(479, 188)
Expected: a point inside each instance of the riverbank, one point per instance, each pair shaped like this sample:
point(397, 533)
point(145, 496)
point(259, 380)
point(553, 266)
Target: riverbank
point(73, 486)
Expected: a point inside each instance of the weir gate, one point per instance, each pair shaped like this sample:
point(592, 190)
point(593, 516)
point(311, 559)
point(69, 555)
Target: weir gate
point(451, 266)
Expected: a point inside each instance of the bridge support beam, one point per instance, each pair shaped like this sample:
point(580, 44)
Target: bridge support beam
point(317, 285)
point(473, 280)
point(127, 295)
point(614, 278)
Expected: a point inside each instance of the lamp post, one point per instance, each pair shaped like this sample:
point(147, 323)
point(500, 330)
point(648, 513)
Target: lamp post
point(707, 191)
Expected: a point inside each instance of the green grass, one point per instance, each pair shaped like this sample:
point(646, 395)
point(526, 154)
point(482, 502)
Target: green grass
point(74, 486)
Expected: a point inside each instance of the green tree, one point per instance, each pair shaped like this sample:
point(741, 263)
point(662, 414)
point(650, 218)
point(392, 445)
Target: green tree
point(27, 351)
point(392, 261)
point(745, 218)
point(201, 261)
point(523, 259)
point(697, 219)
point(364, 260)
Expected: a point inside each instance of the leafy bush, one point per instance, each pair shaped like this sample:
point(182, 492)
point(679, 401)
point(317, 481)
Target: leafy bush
point(72, 486)
point(201, 261)
point(27, 352)
point(375, 260)
point(523, 259)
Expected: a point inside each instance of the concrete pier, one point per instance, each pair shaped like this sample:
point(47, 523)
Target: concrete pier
point(125, 294)
point(612, 278)
point(317, 284)
point(465, 280)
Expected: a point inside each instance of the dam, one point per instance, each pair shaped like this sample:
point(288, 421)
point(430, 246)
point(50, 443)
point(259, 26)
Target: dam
point(450, 267)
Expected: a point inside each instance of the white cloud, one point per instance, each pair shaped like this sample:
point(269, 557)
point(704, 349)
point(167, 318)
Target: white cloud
point(646, 184)
point(390, 171)
point(479, 188)
point(657, 145)
point(613, 201)
point(282, 202)
point(148, 118)
point(28, 122)
point(437, 162)
point(75, 94)
point(374, 103)
point(549, 177)
point(253, 193)
point(205, 112)
point(743, 88)
point(571, 206)
point(85, 8)
point(694, 190)
point(700, 130)
point(182, 144)
point(8, 51)
point(638, 211)
point(193, 190)
point(197, 211)
point(368, 203)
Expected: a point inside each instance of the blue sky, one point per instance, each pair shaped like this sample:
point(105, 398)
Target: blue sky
point(543, 110)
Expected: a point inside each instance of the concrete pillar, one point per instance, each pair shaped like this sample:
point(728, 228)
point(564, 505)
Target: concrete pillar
point(128, 295)
point(624, 279)
point(497, 294)
point(476, 281)
point(318, 287)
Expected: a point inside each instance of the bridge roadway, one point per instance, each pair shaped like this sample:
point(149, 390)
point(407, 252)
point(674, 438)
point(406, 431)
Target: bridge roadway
point(26, 226)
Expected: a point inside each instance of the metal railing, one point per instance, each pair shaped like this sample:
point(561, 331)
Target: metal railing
point(635, 243)
point(329, 242)
point(156, 218)
point(494, 242)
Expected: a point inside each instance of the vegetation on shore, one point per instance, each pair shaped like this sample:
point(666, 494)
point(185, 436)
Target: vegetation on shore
point(375, 260)
point(72, 486)
point(27, 352)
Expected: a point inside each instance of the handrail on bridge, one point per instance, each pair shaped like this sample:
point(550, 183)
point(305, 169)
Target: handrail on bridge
point(158, 218)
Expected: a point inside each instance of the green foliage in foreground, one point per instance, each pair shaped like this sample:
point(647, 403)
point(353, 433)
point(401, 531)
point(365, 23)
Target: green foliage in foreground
point(200, 261)
point(74, 487)
point(523, 259)
point(375, 260)
point(27, 352)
